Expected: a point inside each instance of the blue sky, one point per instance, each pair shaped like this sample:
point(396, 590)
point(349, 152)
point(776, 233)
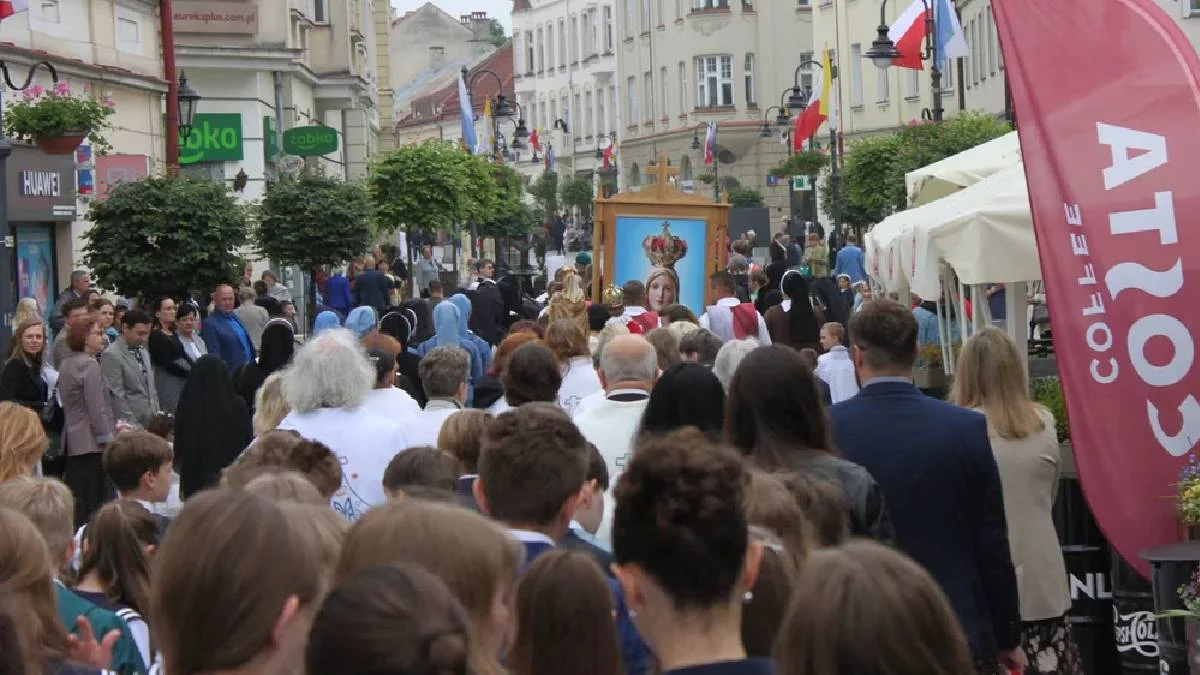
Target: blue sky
point(497, 9)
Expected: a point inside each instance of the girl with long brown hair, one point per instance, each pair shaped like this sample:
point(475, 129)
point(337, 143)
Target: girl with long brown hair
point(234, 589)
point(864, 608)
point(565, 623)
point(476, 559)
point(115, 572)
point(570, 347)
point(992, 379)
point(27, 587)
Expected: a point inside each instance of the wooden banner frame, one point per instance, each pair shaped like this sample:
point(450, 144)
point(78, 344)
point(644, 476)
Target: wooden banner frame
point(660, 200)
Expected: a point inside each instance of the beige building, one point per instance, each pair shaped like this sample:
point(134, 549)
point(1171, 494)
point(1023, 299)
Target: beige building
point(436, 115)
point(112, 49)
point(684, 63)
point(276, 65)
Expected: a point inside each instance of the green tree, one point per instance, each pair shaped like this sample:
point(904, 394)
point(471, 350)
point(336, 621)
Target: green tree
point(577, 193)
point(745, 198)
point(314, 220)
point(496, 33)
point(165, 236)
point(872, 178)
point(545, 191)
point(430, 187)
point(509, 215)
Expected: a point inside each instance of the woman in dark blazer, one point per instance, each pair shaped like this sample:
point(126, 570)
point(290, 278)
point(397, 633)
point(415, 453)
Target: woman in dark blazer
point(21, 380)
point(172, 364)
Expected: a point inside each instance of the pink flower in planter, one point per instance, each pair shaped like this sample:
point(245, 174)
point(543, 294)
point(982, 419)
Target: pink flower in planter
point(108, 103)
point(62, 89)
point(36, 90)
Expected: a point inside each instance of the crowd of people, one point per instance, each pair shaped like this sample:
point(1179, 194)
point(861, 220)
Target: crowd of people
point(441, 485)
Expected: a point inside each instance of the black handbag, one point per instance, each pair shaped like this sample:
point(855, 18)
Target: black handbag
point(53, 421)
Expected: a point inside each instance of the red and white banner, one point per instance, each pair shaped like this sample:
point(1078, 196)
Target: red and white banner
point(1107, 96)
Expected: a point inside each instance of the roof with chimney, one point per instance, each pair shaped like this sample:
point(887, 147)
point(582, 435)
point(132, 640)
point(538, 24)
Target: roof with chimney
point(521, 5)
point(442, 104)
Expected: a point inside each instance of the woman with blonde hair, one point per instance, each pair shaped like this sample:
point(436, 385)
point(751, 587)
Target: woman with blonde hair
point(570, 303)
point(235, 586)
point(27, 310)
point(864, 608)
point(476, 560)
point(992, 379)
point(22, 441)
point(269, 405)
point(570, 347)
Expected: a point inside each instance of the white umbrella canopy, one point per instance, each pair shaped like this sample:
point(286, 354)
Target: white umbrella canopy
point(949, 175)
point(984, 232)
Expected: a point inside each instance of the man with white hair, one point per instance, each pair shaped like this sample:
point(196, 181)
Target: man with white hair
point(325, 386)
point(628, 371)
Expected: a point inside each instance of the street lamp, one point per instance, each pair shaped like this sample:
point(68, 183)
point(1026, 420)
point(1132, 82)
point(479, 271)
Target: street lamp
point(883, 52)
point(8, 252)
point(186, 101)
point(834, 176)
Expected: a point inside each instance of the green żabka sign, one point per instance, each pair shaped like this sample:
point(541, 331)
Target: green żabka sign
point(310, 141)
point(215, 137)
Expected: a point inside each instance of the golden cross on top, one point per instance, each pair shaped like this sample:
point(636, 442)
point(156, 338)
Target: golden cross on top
point(663, 171)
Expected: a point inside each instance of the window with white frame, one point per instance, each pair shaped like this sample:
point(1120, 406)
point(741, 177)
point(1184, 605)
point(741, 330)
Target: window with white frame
point(948, 77)
point(608, 29)
point(882, 85)
point(48, 10)
point(629, 14)
point(912, 86)
point(804, 3)
point(683, 88)
point(585, 46)
point(856, 75)
point(588, 114)
point(751, 94)
point(576, 115)
point(612, 106)
point(320, 11)
point(601, 112)
point(1193, 7)
point(648, 87)
point(647, 15)
point(128, 31)
point(807, 78)
point(541, 50)
point(710, 4)
point(529, 60)
point(631, 90)
point(678, 9)
point(574, 48)
point(665, 88)
point(714, 81)
point(594, 23)
point(550, 46)
point(991, 40)
point(562, 42)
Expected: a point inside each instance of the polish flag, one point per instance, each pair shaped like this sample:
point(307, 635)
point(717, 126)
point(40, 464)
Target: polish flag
point(908, 34)
point(710, 144)
point(608, 154)
point(818, 109)
point(533, 140)
point(10, 7)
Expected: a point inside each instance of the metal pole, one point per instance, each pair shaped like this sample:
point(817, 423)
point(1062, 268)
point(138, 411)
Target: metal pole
point(835, 183)
point(935, 73)
point(278, 76)
point(166, 25)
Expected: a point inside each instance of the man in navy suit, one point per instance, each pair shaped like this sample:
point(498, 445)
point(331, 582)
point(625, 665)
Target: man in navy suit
point(935, 465)
point(224, 334)
point(532, 467)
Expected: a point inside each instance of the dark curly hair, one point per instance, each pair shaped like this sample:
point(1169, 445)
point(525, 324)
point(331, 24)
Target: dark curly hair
point(680, 499)
point(533, 374)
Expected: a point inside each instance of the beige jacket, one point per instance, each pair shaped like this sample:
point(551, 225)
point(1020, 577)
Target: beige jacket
point(1029, 479)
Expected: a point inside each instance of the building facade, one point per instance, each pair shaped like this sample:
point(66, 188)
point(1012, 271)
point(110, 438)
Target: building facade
point(266, 67)
point(110, 48)
point(437, 115)
point(427, 49)
point(566, 65)
point(683, 64)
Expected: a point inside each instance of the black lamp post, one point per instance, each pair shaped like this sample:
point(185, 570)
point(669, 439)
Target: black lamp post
point(505, 108)
point(716, 164)
point(187, 102)
point(8, 251)
point(883, 51)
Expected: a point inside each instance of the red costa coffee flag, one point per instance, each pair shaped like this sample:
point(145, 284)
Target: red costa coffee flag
point(1111, 147)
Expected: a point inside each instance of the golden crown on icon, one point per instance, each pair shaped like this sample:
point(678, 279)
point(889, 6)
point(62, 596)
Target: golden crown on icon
point(665, 249)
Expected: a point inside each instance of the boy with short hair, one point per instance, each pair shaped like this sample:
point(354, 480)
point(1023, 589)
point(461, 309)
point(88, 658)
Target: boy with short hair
point(835, 366)
point(589, 514)
point(48, 503)
point(421, 473)
point(139, 465)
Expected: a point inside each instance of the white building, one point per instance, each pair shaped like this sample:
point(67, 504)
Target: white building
point(684, 63)
point(565, 66)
